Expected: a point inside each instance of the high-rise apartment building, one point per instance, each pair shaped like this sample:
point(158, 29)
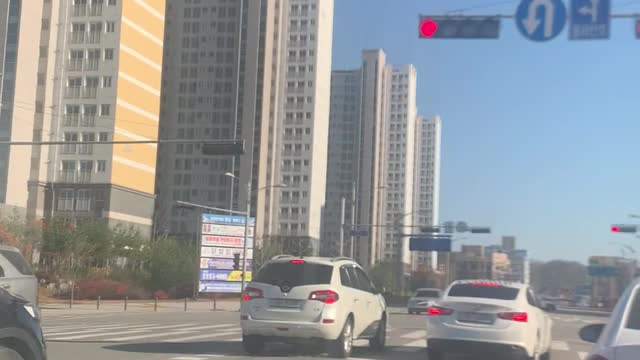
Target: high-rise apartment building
point(85, 70)
point(259, 71)
point(427, 183)
point(356, 162)
point(400, 163)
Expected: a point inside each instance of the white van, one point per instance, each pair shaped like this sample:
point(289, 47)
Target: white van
point(16, 275)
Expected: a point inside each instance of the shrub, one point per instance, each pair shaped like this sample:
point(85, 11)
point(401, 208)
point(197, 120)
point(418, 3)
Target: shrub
point(106, 289)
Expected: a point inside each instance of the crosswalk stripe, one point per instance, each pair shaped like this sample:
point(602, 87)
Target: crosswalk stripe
point(582, 355)
point(200, 337)
point(148, 336)
point(559, 345)
point(209, 327)
point(87, 330)
point(415, 334)
point(86, 336)
point(417, 343)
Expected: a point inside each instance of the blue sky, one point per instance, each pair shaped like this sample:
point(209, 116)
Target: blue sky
point(540, 140)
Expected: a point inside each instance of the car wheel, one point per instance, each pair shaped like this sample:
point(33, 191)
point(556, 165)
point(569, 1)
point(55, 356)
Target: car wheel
point(342, 346)
point(253, 345)
point(546, 356)
point(434, 354)
point(8, 354)
point(378, 343)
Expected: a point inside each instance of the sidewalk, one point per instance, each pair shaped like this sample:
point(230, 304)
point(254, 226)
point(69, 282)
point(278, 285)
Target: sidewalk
point(144, 305)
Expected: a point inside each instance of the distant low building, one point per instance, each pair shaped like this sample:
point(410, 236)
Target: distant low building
point(500, 266)
point(610, 275)
point(520, 267)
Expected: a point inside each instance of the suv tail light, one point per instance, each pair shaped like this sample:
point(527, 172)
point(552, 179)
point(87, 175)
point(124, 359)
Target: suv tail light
point(438, 311)
point(326, 296)
point(514, 316)
point(251, 293)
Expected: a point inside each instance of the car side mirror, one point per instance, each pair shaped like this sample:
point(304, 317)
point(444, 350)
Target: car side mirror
point(591, 333)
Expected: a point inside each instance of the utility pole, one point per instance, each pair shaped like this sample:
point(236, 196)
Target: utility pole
point(246, 238)
point(342, 208)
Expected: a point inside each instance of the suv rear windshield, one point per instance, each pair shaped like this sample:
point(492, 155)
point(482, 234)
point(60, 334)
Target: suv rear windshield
point(428, 293)
point(17, 261)
point(294, 274)
point(496, 292)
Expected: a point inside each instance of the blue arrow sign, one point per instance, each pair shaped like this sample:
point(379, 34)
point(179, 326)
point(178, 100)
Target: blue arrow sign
point(429, 244)
point(590, 19)
point(541, 20)
point(359, 233)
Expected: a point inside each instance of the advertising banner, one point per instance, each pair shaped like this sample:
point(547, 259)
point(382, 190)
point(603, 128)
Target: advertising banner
point(221, 250)
point(222, 264)
point(225, 241)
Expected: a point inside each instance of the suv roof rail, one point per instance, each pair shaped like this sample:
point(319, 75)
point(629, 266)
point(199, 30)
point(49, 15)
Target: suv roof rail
point(281, 257)
point(340, 258)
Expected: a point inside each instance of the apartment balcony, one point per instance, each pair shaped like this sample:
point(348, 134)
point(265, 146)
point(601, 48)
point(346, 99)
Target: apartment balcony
point(94, 37)
point(75, 64)
point(77, 37)
point(293, 137)
point(79, 10)
point(68, 149)
point(89, 92)
point(85, 149)
point(71, 120)
point(83, 204)
point(292, 152)
point(67, 176)
point(92, 64)
point(72, 92)
point(83, 177)
point(95, 10)
point(88, 121)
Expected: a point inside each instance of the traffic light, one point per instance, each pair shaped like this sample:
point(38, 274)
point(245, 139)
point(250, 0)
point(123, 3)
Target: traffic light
point(231, 147)
point(624, 228)
point(638, 29)
point(480, 230)
point(459, 27)
point(236, 261)
point(430, 229)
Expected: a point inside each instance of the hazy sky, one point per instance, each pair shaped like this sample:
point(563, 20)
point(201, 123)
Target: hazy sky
point(540, 140)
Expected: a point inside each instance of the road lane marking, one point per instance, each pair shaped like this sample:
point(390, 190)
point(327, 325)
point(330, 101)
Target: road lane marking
point(417, 343)
point(415, 334)
point(98, 329)
point(147, 336)
point(559, 345)
point(78, 337)
point(209, 327)
point(203, 336)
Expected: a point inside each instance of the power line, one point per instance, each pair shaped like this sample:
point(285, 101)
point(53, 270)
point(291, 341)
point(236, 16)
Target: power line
point(483, 6)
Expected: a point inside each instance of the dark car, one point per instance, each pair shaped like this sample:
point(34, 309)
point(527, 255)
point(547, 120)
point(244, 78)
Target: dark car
point(21, 336)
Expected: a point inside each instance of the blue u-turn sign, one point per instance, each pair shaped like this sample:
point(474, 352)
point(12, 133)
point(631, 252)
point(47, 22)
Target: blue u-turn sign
point(541, 20)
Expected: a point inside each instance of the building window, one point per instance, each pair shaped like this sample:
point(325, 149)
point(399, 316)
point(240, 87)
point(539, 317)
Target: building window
point(111, 26)
point(112, 2)
point(106, 81)
point(43, 52)
point(101, 166)
point(105, 110)
point(83, 200)
point(104, 136)
point(108, 54)
point(65, 200)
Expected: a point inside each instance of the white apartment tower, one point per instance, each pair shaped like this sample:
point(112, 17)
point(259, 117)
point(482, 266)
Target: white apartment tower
point(356, 157)
point(427, 183)
point(257, 70)
point(400, 163)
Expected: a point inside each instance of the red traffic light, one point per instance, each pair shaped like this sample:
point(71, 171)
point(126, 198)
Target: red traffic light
point(624, 228)
point(615, 229)
point(428, 28)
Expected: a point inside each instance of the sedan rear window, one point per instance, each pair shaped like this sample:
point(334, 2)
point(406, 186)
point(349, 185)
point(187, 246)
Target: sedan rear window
point(496, 292)
point(17, 261)
point(428, 293)
point(294, 274)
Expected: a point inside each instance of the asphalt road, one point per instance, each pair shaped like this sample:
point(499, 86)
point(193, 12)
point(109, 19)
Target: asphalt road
point(201, 335)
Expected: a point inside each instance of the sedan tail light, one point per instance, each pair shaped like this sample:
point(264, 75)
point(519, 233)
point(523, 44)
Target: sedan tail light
point(514, 316)
point(326, 296)
point(438, 311)
point(251, 293)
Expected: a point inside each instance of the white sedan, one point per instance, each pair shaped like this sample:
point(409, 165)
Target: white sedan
point(620, 338)
point(488, 317)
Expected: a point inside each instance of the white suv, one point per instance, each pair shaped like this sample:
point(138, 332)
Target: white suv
point(294, 300)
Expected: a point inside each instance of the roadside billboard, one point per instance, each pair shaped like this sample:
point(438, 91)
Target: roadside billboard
point(221, 253)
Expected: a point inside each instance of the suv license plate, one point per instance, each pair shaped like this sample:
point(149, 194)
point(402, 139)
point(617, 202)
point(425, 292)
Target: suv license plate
point(285, 303)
